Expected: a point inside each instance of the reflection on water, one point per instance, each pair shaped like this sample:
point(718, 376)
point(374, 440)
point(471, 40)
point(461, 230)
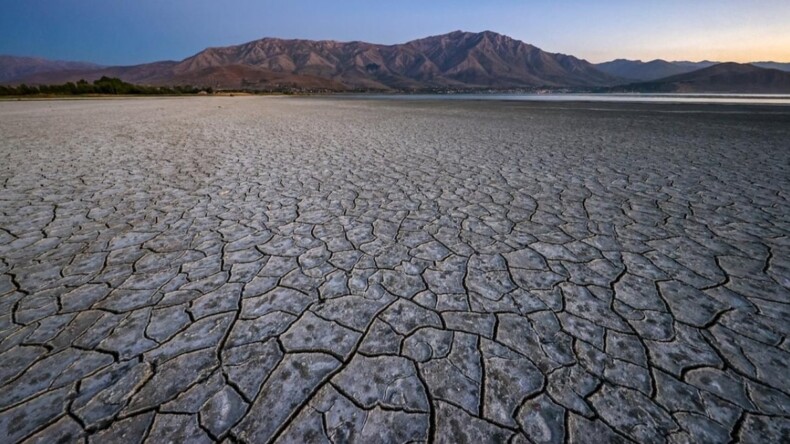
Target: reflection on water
point(740, 99)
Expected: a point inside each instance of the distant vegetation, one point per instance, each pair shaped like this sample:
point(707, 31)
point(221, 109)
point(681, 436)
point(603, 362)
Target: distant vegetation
point(103, 86)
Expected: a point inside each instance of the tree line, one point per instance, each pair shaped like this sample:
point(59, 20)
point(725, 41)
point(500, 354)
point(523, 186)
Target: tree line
point(105, 85)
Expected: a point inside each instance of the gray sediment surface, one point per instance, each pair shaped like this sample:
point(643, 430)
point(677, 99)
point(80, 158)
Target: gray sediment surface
point(273, 269)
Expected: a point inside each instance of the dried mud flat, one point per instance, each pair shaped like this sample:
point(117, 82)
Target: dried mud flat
point(314, 270)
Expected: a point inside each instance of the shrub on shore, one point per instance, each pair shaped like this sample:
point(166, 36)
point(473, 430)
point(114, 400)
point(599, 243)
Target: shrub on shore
point(104, 86)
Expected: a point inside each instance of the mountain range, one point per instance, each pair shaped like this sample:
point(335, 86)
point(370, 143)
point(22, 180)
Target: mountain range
point(656, 69)
point(719, 78)
point(458, 60)
point(12, 67)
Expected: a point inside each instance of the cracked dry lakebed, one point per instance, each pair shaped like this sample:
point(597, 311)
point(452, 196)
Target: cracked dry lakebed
point(312, 270)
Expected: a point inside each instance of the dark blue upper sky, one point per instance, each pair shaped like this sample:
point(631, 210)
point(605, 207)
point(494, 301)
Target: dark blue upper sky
point(137, 31)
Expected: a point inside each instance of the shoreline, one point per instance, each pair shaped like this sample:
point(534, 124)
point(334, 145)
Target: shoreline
point(747, 100)
point(127, 96)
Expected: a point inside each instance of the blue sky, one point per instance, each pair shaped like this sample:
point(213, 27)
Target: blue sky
point(138, 31)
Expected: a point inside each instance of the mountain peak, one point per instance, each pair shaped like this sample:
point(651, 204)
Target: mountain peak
point(456, 60)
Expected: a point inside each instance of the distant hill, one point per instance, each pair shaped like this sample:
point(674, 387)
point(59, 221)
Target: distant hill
point(657, 69)
point(167, 74)
point(639, 70)
point(693, 66)
point(773, 65)
point(13, 68)
point(456, 60)
point(720, 78)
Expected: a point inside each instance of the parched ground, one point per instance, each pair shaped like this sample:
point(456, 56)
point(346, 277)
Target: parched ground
point(313, 270)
